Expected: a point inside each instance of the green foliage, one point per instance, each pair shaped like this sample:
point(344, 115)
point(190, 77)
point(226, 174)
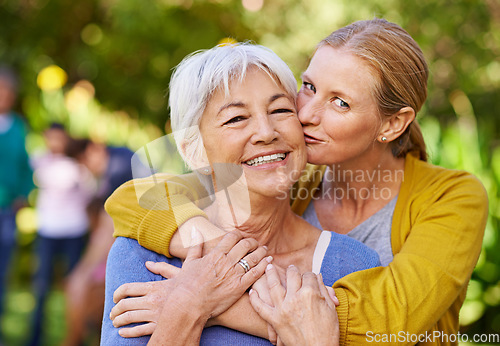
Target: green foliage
point(125, 51)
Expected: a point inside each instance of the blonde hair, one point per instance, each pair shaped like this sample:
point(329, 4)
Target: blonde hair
point(401, 72)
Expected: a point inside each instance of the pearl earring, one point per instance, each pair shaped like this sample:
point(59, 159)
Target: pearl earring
point(384, 138)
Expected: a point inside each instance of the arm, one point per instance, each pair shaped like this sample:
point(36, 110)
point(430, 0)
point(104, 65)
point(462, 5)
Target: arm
point(424, 287)
point(150, 209)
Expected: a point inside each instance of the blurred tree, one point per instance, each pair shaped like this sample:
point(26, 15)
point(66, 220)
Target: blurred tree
point(124, 51)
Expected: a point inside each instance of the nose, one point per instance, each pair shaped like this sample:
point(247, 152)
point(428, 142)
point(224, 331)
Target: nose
point(265, 131)
point(309, 111)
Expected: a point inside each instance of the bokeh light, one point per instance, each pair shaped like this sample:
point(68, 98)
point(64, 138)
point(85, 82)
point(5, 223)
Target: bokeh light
point(252, 5)
point(51, 78)
point(26, 220)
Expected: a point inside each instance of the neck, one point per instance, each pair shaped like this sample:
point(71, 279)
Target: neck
point(375, 178)
point(268, 219)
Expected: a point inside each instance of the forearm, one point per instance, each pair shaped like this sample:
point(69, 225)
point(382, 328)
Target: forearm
point(241, 316)
point(181, 240)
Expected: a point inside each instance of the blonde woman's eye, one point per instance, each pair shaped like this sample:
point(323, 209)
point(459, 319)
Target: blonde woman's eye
point(341, 103)
point(309, 86)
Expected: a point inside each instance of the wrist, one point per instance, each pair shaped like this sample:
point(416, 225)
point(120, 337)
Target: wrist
point(185, 305)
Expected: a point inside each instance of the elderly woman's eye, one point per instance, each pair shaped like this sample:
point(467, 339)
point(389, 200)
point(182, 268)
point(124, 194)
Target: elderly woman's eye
point(235, 120)
point(309, 86)
point(341, 103)
point(282, 110)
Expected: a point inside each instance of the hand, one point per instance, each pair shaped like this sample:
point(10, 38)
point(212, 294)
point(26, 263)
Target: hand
point(260, 286)
point(216, 281)
point(145, 303)
point(303, 314)
point(224, 280)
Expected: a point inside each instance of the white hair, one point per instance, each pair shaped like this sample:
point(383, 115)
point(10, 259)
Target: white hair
point(203, 72)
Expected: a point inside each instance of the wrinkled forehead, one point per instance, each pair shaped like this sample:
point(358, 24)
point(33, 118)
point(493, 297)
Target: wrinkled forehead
point(238, 78)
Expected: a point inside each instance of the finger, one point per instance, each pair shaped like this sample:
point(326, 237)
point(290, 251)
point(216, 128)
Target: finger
point(293, 280)
point(276, 290)
point(143, 329)
point(134, 289)
point(196, 249)
point(324, 291)
point(264, 310)
point(255, 273)
point(333, 296)
point(310, 280)
point(241, 249)
point(228, 242)
point(134, 316)
point(271, 334)
point(164, 269)
point(254, 257)
point(126, 304)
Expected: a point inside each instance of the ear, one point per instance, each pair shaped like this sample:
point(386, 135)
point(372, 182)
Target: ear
point(201, 164)
point(396, 124)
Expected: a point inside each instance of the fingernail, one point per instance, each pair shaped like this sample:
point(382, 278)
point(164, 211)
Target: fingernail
point(269, 266)
point(251, 291)
point(265, 247)
point(269, 259)
point(291, 266)
point(149, 263)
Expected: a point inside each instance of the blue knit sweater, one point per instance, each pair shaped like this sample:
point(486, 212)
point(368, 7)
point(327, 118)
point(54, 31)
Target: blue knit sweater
point(126, 261)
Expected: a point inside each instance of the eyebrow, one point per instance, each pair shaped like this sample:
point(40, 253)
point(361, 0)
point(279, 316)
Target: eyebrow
point(236, 104)
point(304, 76)
point(239, 104)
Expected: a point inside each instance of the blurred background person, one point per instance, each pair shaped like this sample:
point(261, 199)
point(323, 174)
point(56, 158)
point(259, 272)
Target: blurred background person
point(15, 172)
point(65, 189)
point(111, 167)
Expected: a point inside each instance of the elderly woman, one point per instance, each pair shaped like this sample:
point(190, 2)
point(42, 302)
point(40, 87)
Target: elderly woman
point(242, 99)
point(357, 104)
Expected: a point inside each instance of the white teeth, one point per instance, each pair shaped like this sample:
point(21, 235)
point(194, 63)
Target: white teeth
point(266, 159)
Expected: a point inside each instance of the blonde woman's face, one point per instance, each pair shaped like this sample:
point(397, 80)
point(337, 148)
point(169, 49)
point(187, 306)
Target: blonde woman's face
point(256, 127)
point(337, 108)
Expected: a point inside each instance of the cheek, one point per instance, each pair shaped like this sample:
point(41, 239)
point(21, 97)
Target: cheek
point(302, 100)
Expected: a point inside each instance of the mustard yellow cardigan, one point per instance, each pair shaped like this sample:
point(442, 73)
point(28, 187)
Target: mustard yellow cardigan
point(436, 237)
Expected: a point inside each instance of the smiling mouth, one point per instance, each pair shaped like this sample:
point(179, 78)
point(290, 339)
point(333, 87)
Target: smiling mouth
point(261, 160)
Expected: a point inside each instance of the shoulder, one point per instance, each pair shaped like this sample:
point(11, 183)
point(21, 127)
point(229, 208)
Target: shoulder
point(424, 175)
point(345, 255)
point(129, 255)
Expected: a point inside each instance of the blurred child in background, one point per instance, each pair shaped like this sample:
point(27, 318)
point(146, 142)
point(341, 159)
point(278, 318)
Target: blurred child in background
point(65, 189)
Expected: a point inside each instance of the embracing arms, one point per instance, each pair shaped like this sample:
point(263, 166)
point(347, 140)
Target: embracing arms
point(437, 233)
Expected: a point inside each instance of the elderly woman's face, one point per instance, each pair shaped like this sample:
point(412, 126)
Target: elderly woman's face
point(256, 126)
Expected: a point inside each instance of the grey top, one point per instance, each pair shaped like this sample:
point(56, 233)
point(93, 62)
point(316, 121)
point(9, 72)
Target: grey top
point(375, 232)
